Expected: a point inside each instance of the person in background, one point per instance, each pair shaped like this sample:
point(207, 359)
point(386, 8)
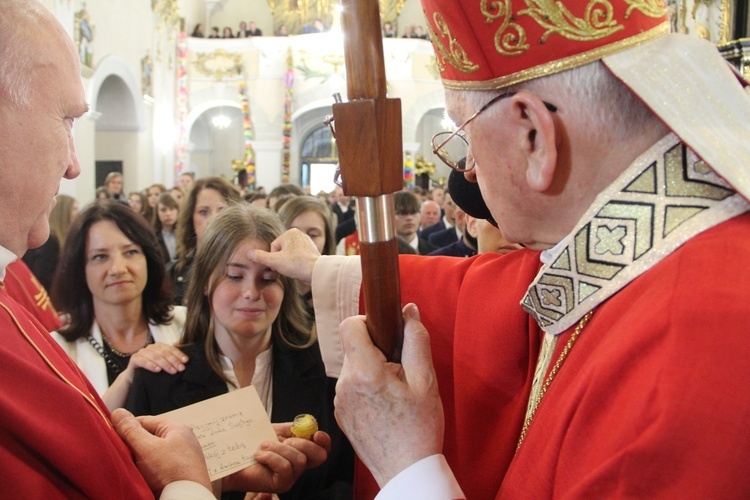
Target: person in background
point(312, 217)
point(243, 32)
point(342, 207)
point(165, 225)
point(247, 326)
point(227, 33)
point(446, 224)
point(57, 439)
point(406, 206)
point(437, 194)
point(605, 359)
point(257, 198)
point(388, 30)
point(465, 246)
point(209, 196)
point(186, 180)
point(177, 193)
point(152, 194)
point(253, 30)
point(281, 190)
point(419, 33)
point(197, 31)
point(429, 214)
point(101, 194)
point(139, 203)
point(42, 261)
point(111, 285)
point(282, 31)
point(113, 185)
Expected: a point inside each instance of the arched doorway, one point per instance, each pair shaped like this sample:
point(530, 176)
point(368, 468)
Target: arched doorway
point(318, 160)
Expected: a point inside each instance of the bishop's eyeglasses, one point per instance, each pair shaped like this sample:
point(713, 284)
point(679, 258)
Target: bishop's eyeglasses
point(452, 147)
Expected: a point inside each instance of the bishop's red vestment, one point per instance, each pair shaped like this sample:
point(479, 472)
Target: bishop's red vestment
point(55, 439)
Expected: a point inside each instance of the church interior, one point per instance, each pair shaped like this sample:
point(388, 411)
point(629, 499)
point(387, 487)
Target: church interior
point(165, 97)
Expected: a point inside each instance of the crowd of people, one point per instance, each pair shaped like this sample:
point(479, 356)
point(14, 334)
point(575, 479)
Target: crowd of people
point(250, 29)
point(245, 30)
point(601, 355)
point(148, 296)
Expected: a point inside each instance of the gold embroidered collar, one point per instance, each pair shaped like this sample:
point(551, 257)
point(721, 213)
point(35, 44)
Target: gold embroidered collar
point(667, 196)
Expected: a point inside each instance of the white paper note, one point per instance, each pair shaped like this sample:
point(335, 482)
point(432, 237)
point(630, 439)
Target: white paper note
point(229, 428)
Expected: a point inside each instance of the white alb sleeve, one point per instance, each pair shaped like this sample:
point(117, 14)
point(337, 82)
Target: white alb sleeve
point(429, 479)
point(336, 282)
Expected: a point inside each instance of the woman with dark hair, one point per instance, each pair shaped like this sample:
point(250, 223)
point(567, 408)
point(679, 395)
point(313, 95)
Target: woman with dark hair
point(111, 287)
point(139, 203)
point(209, 196)
point(165, 225)
point(247, 325)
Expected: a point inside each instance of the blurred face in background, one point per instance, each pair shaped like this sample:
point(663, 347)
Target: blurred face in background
point(438, 195)
point(135, 203)
point(312, 224)
point(186, 182)
point(167, 216)
point(153, 195)
point(114, 187)
point(429, 213)
point(208, 203)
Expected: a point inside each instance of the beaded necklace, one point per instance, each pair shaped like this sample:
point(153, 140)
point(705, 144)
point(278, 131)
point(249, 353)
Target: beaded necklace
point(111, 363)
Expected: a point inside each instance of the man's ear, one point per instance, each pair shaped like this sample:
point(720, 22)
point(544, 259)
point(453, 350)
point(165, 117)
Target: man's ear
point(471, 226)
point(538, 138)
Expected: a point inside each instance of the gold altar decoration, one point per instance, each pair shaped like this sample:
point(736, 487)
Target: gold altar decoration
point(313, 65)
point(423, 167)
point(296, 13)
point(219, 63)
point(239, 165)
point(168, 12)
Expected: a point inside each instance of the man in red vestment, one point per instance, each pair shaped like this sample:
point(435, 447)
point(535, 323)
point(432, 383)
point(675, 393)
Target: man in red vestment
point(609, 357)
point(56, 436)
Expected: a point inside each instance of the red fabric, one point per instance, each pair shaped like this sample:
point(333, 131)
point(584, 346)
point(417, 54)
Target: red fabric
point(351, 244)
point(652, 401)
point(23, 286)
point(53, 443)
point(475, 44)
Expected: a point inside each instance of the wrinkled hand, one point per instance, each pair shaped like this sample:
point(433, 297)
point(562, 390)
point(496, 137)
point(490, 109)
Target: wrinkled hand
point(165, 450)
point(157, 357)
point(280, 464)
point(292, 254)
point(391, 412)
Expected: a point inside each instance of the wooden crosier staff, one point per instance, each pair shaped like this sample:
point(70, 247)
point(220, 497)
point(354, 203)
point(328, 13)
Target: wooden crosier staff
point(368, 138)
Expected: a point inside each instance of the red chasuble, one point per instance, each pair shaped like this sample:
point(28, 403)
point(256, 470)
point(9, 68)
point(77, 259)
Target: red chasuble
point(56, 440)
point(651, 402)
point(23, 286)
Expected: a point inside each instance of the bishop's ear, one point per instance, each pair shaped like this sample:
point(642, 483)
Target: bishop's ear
point(539, 139)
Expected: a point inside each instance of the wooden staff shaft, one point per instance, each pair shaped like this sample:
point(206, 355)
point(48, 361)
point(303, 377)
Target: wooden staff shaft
point(368, 137)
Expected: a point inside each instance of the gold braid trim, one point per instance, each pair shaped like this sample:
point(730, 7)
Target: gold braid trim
point(553, 67)
point(551, 376)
